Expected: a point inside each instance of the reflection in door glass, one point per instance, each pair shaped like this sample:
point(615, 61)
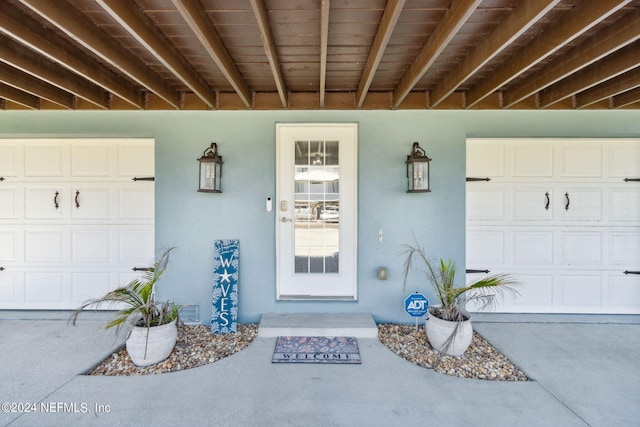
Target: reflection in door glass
point(317, 208)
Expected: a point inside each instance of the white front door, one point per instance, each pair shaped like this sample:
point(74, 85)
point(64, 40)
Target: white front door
point(316, 211)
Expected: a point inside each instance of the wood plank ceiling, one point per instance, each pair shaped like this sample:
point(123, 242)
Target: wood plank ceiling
point(319, 54)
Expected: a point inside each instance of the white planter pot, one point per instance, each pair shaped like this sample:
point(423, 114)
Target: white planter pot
point(158, 345)
point(452, 338)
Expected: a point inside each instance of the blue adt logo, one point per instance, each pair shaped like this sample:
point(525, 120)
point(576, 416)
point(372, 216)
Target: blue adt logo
point(416, 305)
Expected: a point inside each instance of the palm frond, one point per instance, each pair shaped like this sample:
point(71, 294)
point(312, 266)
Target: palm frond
point(138, 299)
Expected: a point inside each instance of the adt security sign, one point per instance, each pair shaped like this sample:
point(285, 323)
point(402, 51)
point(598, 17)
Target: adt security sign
point(416, 305)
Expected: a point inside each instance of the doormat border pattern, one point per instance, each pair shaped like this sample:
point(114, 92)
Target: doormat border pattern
point(316, 349)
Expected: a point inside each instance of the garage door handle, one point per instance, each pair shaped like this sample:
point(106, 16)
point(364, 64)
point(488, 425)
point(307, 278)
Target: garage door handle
point(631, 272)
point(546, 206)
point(566, 206)
point(55, 200)
point(77, 203)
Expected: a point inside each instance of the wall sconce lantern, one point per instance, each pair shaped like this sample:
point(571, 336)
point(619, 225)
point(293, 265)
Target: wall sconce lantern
point(418, 170)
point(210, 170)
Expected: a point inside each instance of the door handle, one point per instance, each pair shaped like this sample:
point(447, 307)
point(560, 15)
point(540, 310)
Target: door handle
point(77, 203)
point(285, 219)
point(546, 206)
point(55, 200)
point(566, 206)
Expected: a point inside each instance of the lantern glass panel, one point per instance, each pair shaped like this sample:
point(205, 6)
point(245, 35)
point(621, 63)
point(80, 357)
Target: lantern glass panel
point(420, 173)
point(209, 175)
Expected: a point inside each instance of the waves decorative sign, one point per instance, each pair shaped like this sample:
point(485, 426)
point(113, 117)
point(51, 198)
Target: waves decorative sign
point(224, 314)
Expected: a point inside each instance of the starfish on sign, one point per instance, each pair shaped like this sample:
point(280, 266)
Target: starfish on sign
point(225, 277)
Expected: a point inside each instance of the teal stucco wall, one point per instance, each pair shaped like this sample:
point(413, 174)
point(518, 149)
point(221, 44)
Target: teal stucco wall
point(191, 221)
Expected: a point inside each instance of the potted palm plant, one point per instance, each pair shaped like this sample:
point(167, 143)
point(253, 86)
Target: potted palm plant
point(153, 331)
point(448, 326)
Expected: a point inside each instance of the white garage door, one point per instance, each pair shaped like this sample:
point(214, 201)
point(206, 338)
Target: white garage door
point(73, 221)
point(563, 216)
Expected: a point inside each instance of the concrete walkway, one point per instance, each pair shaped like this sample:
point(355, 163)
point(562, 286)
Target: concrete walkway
point(584, 374)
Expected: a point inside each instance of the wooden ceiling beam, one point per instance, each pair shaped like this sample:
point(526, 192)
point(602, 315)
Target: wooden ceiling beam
point(48, 44)
point(615, 86)
point(607, 68)
point(197, 20)
point(127, 14)
point(581, 18)
point(454, 18)
point(28, 61)
point(36, 87)
point(606, 41)
point(19, 97)
point(627, 98)
point(83, 32)
point(325, 6)
point(521, 18)
point(260, 12)
point(388, 22)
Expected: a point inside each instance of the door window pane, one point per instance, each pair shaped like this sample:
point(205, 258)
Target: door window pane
point(317, 207)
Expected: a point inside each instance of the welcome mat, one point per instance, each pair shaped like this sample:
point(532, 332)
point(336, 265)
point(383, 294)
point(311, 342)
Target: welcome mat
point(316, 350)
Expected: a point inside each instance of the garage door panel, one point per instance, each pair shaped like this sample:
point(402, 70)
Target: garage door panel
point(10, 243)
point(486, 159)
point(86, 285)
point(92, 203)
point(486, 204)
point(50, 202)
point(625, 249)
point(624, 159)
point(624, 293)
point(625, 203)
point(485, 247)
point(45, 245)
point(532, 159)
point(532, 203)
point(581, 160)
point(135, 247)
point(533, 247)
point(91, 245)
point(10, 202)
point(45, 160)
point(535, 294)
point(581, 204)
point(136, 201)
point(91, 159)
point(45, 287)
point(581, 248)
point(9, 292)
point(10, 158)
point(136, 158)
point(580, 293)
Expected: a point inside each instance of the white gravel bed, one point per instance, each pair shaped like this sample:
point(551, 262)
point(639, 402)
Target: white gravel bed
point(197, 346)
point(480, 361)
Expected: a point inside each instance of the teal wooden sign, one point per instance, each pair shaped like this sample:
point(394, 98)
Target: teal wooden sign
point(224, 310)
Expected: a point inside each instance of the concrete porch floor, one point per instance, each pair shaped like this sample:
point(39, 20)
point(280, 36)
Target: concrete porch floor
point(585, 372)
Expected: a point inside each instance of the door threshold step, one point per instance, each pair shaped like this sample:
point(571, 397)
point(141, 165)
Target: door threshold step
point(359, 325)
